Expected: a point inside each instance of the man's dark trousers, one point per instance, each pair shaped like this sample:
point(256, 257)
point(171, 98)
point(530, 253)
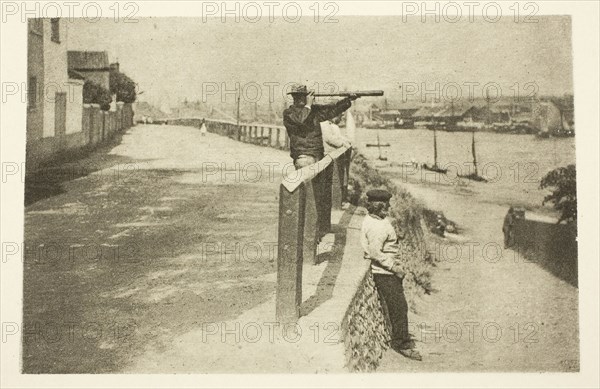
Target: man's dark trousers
point(391, 293)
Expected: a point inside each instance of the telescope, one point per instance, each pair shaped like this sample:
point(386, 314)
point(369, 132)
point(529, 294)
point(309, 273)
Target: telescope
point(359, 93)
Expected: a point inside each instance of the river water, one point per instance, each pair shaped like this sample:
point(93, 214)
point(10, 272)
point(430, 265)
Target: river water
point(512, 164)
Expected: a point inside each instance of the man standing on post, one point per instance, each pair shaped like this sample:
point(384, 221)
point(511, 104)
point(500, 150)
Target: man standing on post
point(302, 121)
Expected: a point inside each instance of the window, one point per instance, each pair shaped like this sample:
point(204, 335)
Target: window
point(32, 92)
point(55, 23)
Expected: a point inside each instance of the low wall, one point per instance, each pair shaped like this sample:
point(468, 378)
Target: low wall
point(97, 127)
point(365, 330)
point(550, 245)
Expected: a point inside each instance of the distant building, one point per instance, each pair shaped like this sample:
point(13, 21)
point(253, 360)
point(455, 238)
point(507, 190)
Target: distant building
point(55, 99)
point(453, 114)
point(92, 65)
point(399, 118)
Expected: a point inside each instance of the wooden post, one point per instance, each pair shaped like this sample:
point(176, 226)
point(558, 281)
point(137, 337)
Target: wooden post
point(312, 210)
point(325, 195)
point(337, 182)
point(289, 255)
point(238, 111)
point(270, 136)
point(278, 144)
point(346, 176)
point(262, 135)
point(103, 124)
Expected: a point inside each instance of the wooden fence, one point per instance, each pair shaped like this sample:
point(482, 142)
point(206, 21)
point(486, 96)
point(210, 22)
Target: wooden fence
point(99, 125)
point(260, 134)
point(306, 198)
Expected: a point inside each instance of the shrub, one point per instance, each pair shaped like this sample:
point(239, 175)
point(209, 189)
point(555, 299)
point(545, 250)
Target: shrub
point(96, 94)
point(563, 180)
point(122, 86)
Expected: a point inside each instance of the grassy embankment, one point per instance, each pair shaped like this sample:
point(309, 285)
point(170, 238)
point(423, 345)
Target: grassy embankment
point(410, 219)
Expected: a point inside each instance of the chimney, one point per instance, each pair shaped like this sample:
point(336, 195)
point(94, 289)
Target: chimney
point(114, 67)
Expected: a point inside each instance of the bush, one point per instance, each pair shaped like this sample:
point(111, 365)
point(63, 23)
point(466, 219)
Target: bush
point(96, 94)
point(122, 86)
point(563, 180)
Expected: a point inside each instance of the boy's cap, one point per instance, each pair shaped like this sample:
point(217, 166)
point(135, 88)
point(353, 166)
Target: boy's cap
point(378, 195)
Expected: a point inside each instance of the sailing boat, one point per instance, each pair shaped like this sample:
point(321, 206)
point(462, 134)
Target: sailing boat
point(435, 167)
point(475, 175)
point(379, 145)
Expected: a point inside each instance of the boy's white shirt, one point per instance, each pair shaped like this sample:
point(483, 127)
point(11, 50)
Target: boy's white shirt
point(332, 135)
point(379, 242)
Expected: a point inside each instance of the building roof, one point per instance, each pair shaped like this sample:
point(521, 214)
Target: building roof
point(73, 74)
point(427, 112)
point(397, 113)
point(442, 111)
point(87, 60)
point(407, 112)
point(456, 111)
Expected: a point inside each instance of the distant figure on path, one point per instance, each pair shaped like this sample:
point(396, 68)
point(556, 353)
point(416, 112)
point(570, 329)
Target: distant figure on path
point(380, 244)
point(203, 128)
point(302, 121)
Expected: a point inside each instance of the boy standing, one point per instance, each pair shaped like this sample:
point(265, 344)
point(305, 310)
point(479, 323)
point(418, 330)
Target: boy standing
point(380, 244)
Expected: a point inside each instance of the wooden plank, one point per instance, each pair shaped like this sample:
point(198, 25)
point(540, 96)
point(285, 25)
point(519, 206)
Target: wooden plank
point(325, 195)
point(278, 144)
point(103, 125)
point(312, 212)
point(289, 255)
point(346, 176)
point(337, 182)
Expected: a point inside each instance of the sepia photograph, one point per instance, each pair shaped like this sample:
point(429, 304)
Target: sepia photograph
point(300, 188)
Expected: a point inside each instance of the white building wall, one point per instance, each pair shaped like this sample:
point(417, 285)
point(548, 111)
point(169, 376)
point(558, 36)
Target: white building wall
point(55, 73)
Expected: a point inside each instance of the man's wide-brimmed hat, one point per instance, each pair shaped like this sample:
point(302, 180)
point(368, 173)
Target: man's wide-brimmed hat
point(379, 195)
point(298, 89)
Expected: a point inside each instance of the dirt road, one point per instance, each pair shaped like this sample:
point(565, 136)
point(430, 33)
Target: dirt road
point(133, 245)
point(494, 310)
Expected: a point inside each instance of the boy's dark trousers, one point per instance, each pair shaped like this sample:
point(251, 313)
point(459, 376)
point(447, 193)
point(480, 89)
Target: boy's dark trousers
point(391, 293)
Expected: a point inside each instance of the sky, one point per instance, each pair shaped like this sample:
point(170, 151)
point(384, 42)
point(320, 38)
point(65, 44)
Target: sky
point(185, 58)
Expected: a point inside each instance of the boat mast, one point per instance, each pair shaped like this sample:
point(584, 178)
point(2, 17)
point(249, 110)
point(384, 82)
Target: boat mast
point(237, 115)
point(473, 151)
point(434, 148)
